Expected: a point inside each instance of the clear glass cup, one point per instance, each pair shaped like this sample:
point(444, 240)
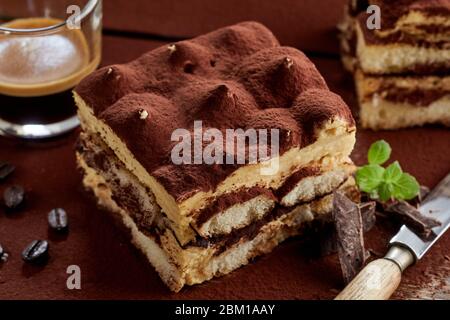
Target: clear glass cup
point(46, 48)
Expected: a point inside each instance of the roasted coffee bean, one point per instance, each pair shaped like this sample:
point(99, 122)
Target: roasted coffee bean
point(13, 197)
point(36, 251)
point(57, 219)
point(3, 254)
point(5, 170)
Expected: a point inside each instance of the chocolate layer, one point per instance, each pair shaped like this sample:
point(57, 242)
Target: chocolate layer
point(235, 77)
point(128, 198)
point(230, 199)
point(411, 89)
point(248, 232)
point(434, 28)
point(126, 195)
point(372, 38)
point(223, 242)
point(292, 181)
point(414, 95)
point(392, 11)
point(417, 97)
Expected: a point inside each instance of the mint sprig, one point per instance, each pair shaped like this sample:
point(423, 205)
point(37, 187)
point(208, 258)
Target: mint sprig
point(385, 183)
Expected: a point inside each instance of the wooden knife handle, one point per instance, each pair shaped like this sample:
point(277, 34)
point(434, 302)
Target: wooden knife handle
point(377, 281)
point(380, 278)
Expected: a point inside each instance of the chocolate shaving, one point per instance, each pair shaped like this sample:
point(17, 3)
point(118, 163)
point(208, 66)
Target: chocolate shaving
point(349, 235)
point(412, 217)
point(368, 216)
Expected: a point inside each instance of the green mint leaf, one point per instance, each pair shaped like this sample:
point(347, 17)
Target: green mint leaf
point(405, 188)
point(379, 152)
point(385, 191)
point(393, 172)
point(369, 177)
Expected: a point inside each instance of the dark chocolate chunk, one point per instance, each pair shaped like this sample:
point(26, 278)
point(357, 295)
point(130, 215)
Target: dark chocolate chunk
point(5, 170)
point(14, 197)
point(349, 235)
point(412, 217)
point(368, 216)
point(3, 254)
point(57, 219)
point(36, 251)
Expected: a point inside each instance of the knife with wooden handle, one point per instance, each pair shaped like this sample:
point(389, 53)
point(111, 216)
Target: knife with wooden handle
point(380, 278)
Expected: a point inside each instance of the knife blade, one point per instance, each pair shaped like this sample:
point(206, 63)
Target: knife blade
point(406, 248)
point(437, 208)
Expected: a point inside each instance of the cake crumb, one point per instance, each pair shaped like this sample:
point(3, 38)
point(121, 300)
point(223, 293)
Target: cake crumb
point(143, 114)
point(289, 62)
point(172, 48)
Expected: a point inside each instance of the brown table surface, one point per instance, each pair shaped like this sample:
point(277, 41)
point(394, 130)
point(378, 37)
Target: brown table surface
point(295, 23)
point(112, 269)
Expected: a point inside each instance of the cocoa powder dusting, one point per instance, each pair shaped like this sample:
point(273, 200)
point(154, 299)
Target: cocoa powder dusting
point(237, 77)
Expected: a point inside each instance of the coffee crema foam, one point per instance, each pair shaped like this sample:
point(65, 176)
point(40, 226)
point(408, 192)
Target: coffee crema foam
point(43, 65)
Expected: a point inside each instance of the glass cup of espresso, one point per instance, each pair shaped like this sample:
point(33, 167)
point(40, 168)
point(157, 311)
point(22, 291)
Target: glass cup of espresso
point(46, 48)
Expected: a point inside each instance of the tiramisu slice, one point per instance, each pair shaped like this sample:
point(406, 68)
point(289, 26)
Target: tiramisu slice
point(194, 218)
point(402, 69)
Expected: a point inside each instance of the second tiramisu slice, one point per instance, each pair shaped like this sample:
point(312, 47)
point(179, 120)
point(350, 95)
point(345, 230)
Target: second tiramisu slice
point(402, 68)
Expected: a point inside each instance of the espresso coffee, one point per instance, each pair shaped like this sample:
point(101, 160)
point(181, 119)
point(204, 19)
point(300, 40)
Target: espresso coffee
point(37, 73)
